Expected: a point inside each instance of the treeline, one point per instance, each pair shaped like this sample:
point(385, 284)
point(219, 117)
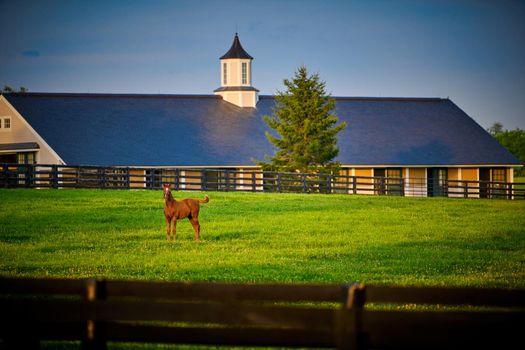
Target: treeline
point(8, 89)
point(513, 140)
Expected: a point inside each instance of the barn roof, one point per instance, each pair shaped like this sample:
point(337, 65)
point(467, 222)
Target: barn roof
point(193, 130)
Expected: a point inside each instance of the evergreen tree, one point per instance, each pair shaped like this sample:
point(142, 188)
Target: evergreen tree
point(305, 123)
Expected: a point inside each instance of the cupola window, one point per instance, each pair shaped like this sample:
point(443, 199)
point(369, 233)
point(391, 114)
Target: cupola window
point(244, 73)
point(225, 74)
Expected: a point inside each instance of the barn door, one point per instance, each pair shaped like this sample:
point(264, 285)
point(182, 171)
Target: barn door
point(484, 178)
point(437, 182)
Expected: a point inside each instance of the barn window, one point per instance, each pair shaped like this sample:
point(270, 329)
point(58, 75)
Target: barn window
point(5, 124)
point(26, 158)
point(388, 181)
point(499, 175)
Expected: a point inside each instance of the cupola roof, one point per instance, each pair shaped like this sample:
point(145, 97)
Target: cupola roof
point(236, 51)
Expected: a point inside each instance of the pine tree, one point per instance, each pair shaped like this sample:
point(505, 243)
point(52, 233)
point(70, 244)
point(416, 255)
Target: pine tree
point(304, 121)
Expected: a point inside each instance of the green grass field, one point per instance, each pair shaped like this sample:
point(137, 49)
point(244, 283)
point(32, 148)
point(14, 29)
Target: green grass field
point(265, 238)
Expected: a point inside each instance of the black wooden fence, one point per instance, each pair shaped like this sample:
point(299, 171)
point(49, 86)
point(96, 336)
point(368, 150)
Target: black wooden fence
point(76, 176)
point(354, 316)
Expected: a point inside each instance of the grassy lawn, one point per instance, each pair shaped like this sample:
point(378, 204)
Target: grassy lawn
point(265, 238)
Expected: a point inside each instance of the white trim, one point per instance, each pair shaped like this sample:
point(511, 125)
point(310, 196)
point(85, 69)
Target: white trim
point(13, 151)
point(40, 139)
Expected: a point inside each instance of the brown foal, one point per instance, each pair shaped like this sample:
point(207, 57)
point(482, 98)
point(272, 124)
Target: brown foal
point(186, 208)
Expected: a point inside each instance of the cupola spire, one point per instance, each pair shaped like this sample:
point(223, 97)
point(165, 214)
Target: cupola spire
point(236, 51)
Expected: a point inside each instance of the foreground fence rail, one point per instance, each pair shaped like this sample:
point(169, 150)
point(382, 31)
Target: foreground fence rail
point(95, 312)
point(73, 176)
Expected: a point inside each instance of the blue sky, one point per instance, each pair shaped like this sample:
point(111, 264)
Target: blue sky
point(470, 51)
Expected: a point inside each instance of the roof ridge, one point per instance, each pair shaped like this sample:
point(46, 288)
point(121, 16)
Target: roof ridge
point(400, 99)
point(108, 95)
point(371, 98)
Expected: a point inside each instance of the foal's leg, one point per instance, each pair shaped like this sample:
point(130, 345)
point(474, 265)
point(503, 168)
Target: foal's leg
point(196, 228)
point(174, 229)
point(168, 228)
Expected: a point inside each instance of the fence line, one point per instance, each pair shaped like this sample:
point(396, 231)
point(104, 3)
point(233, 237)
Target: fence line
point(77, 176)
point(336, 316)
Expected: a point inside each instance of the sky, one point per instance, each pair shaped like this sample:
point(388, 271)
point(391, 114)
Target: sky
point(471, 51)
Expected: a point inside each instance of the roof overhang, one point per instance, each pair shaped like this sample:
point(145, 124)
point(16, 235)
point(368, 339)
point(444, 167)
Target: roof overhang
point(19, 147)
point(236, 88)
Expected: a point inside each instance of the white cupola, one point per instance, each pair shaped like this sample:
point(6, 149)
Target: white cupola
point(236, 77)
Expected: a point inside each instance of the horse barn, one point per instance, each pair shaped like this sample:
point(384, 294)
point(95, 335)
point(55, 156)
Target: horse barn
point(422, 146)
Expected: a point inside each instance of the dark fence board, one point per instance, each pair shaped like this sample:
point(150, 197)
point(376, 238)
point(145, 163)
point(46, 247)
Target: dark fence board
point(225, 291)
point(454, 296)
point(223, 336)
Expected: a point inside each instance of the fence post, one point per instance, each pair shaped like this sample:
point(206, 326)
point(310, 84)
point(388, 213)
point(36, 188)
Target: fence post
point(350, 322)
point(254, 182)
point(95, 333)
point(465, 189)
point(54, 176)
point(509, 196)
point(31, 175)
point(305, 187)
point(127, 177)
point(227, 180)
point(279, 182)
point(203, 180)
point(5, 175)
point(354, 184)
point(104, 177)
point(402, 190)
point(176, 184)
point(329, 184)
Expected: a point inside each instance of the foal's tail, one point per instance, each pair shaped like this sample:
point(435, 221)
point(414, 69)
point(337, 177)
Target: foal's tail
point(205, 200)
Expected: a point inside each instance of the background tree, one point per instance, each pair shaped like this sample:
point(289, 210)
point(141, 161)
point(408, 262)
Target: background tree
point(306, 129)
point(8, 89)
point(513, 140)
point(495, 129)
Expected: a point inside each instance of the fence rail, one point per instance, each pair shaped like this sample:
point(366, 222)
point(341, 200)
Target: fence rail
point(335, 316)
point(75, 176)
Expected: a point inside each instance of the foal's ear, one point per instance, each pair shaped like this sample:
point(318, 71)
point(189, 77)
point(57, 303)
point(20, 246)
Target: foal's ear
point(167, 186)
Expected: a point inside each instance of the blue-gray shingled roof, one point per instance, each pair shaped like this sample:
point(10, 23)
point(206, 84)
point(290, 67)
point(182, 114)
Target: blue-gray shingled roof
point(191, 130)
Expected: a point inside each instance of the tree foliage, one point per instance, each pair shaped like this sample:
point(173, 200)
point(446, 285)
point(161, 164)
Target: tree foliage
point(513, 140)
point(8, 89)
point(305, 126)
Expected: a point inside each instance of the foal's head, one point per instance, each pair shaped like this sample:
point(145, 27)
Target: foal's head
point(167, 192)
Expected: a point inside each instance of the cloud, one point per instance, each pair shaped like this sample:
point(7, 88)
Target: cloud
point(30, 53)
